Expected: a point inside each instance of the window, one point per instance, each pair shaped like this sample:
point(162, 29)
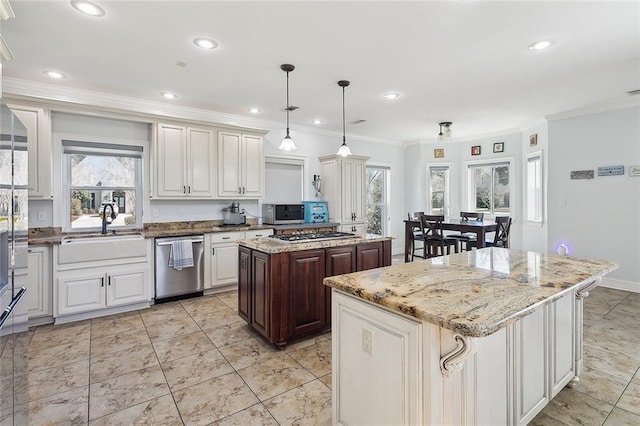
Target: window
point(490, 189)
point(377, 199)
point(534, 187)
point(102, 176)
point(438, 184)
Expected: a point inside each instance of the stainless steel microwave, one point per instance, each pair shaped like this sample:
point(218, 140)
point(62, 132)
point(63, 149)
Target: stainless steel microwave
point(282, 214)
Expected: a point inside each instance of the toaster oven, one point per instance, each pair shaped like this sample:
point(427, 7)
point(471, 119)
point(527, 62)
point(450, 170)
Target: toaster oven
point(282, 214)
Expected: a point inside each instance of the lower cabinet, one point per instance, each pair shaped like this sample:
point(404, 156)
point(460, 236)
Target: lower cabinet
point(281, 295)
point(39, 282)
point(89, 289)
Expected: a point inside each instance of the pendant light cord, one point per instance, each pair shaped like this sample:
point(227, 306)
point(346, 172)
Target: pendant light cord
point(287, 103)
point(344, 132)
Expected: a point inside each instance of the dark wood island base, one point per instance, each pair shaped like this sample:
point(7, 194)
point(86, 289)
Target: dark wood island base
point(280, 290)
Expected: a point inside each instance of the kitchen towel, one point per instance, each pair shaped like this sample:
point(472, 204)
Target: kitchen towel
point(181, 254)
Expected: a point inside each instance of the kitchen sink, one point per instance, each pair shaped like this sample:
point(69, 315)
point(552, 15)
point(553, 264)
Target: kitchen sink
point(98, 247)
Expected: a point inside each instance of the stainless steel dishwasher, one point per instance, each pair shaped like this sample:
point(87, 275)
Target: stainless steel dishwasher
point(172, 283)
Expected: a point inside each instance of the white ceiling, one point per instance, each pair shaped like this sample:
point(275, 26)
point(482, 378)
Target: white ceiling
point(461, 61)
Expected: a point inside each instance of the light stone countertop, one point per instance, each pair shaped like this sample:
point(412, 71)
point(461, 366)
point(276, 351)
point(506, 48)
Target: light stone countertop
point(273, 245)
point(474, 293)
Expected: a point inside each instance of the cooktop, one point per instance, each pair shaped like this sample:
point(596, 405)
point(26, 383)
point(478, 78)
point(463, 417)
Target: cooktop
point(312, 236)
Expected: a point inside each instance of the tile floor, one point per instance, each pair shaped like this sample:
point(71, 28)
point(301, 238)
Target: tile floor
point(196, 362)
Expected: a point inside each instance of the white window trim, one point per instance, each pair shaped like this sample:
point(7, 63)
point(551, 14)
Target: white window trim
point(386, 227)
point(447, 201)
point(525, 169)
point(469, 204)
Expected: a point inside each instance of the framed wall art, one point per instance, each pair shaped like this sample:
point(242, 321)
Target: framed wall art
point(498, 147)
point(438, 153)
point(533, 139)
point(475, 150)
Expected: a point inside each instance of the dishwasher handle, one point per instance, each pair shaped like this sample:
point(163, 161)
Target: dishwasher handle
point(168, 243)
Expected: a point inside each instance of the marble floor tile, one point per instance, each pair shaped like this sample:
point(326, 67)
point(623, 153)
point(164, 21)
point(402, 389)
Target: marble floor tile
point(162, 312)
point(195, 369)
point(248, 352)
point(620, 417)
point(326, 380)
point(56, 335)
point(119, 363)
point(115, 324)
point(203, 305)
point(543, 419)
point(65, 408)
point(172, 327)
point(309, 404)
point(217, 318)
point(229, 298)
point(230, 333)
point(160, 411)
point(574, 408)
point(617, 364)
point(181, 346)
point(51, 381)
point(116, 394)
point(198, 406)
point(315, 357)
point(58, 355)
point(630, 399)
point(119, 342)
point(274, 376)
point(255, 415)
point(602, 386)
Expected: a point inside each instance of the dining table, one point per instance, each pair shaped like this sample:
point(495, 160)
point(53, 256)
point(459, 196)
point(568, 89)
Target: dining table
point(480, 228)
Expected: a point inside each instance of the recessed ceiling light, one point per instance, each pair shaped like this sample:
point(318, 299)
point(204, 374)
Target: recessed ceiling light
point(54, 74)
point(317, 121)
point(169, 95)
point(391, 95)
point(205, 43)
point(255, 110)
point(87, 7)
point(540, 45)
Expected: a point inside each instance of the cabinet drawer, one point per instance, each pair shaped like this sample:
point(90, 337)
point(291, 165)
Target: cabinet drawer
point(259, 233)
point(225, 237)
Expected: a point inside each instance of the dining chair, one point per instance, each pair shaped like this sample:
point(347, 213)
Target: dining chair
point(500, 238)
point(416, 233)
point(463, 237)
point(434, 241)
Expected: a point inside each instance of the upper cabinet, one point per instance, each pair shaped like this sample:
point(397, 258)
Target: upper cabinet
point(36, 120)
point(240, 165)
point(184, 162)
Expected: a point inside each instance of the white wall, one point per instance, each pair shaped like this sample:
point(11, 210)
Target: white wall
point(597, 218)
point(534, 235)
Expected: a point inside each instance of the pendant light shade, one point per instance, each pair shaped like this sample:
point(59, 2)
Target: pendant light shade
point(287, 143)
point(344, 148)
point(445, 132)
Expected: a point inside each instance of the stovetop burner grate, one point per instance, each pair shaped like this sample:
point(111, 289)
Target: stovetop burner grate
point(312, 236)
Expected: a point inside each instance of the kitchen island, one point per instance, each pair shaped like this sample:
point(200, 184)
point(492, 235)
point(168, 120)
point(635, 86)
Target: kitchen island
point(280, 291)
point(481, 337)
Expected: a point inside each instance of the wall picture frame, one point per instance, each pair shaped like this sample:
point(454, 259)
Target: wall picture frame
point(533, 139)
point(475, 150)
point(438, 153)
point(498, 147)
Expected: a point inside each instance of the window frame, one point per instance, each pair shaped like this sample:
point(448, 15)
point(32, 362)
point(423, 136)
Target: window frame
point(386, 191)
point(540, 183)
point(447, 187)
point(470, 188)
point(97, 146)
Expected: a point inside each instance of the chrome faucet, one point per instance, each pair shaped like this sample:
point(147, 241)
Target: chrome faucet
point(104, 217)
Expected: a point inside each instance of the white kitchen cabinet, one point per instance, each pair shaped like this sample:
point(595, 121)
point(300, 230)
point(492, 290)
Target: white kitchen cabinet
point(345, 190)
point(184, 162)
point(90, 289)
point(221, 261)
point(36, 120)
point(39, 282)
point(240, 165)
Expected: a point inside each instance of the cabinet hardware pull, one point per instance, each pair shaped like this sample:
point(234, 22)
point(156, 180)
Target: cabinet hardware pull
point(239, 190)
point(102, 282)
point(244, 189)
point(213, 251)
point(184, 189)
point(226, 238)
point(189, 188)
point(109, 281)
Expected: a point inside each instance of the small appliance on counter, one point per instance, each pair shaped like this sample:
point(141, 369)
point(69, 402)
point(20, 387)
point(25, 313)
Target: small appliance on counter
point(316, 211)
point(282, 214)
point(232, 215)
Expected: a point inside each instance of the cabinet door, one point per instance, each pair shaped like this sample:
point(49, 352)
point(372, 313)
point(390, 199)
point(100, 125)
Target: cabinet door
point(306, 292)
point(129, 285)
point(80, 291)
point(39, 283)
point(252, 156)
point(224, 264)
point(244, 290)
point(339, 260)
point(39, 149)
point(353, 191)
point(170, 156)
point(369, 256)
point(562, 328)
point(201, 165)
point(260, 287)
point(229, 183)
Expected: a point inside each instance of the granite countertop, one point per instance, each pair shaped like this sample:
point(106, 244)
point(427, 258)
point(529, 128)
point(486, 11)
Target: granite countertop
point(272, 245)
point(474, 293)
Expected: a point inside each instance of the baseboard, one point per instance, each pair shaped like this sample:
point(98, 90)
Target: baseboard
point(100, 313)
point(620, 285)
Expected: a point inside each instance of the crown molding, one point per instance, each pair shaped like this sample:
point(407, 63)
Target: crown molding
point(5, 52)
point(629, 103)
point(6, 12)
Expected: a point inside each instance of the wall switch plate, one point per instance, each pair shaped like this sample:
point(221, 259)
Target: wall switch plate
point(155, 212)
point(367, 341)
point(42, 215)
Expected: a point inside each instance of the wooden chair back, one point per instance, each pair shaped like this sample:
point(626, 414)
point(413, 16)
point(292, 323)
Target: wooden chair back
point(414, 215)
point(431, 226)
point(501, 238)
point(465, 216)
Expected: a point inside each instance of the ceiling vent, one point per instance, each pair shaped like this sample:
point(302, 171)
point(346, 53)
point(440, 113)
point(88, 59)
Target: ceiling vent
point(634, 92)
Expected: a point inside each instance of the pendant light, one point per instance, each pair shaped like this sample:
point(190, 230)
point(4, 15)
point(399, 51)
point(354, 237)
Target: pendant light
point(344, 149)
point(287, 143)
point(446, 135)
